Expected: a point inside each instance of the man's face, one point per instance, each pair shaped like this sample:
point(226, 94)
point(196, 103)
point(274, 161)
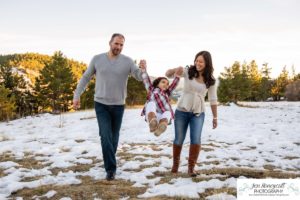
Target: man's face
point(116, 45)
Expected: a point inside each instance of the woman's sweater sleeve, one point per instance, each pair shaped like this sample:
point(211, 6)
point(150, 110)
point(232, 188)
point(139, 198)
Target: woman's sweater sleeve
point(212, 95)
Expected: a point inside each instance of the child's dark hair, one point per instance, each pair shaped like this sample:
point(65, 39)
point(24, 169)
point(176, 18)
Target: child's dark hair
point(157, 80)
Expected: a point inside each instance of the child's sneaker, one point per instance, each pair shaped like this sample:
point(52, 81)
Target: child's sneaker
point(162, 126)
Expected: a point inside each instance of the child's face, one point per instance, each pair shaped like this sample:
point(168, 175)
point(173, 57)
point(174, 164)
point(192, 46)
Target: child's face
point(163, 84)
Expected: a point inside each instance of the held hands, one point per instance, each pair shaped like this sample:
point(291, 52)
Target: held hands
point(76, 104)
point(178, 71)
point(143, 65)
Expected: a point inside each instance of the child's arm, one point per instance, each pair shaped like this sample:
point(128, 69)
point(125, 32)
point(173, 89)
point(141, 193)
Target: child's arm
point(173, 85)
point(147, 81)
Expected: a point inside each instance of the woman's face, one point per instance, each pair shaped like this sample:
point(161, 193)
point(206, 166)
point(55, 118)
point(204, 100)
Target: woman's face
point(200, 63)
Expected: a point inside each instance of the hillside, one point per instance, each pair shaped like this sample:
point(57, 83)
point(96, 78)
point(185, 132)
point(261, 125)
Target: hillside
point(29, 64)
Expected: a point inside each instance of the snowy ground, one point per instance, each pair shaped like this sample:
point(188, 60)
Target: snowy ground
point(265, 138)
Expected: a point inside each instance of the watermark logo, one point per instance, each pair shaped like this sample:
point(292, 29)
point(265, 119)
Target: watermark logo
point(264, 189)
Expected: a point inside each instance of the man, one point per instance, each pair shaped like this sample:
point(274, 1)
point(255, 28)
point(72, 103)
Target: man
point(112, 70)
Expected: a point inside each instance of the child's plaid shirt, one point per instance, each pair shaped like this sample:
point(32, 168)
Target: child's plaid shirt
point(161, 98)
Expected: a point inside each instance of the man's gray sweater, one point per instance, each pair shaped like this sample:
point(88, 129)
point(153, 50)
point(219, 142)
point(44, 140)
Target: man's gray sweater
point(111, 78)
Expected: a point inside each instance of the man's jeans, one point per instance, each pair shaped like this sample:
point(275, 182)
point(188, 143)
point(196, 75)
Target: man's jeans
point(109, 121)
point(182, 120)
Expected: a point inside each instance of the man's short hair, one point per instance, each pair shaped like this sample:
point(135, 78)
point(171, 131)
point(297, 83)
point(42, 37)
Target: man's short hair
point(117, 35)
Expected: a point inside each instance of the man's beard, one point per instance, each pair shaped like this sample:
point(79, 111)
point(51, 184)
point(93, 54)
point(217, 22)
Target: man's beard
point(116, 52)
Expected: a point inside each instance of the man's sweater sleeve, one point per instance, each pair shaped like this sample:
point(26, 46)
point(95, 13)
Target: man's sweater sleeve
point(85, 79)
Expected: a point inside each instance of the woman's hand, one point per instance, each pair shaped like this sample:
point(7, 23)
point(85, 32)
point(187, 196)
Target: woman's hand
point(171, 72)
point(178, 71)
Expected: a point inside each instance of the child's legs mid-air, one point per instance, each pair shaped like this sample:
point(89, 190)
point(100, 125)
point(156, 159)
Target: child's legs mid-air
point(163, 119)
point(151, 116)
point(158, 122)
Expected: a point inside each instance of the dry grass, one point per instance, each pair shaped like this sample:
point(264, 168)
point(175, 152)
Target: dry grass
point(6, 156)
point(246, 105)
point(249, 173)
point(213, 191)
point(79, 141)
point(213, 162)
point(206, 149)
point(1, 173)
point(3, 138)
point(249, 148)
point(88, 189)
point(156, 148)
point(269, 167)
point(27, 162)
point(29, 179)
point(76, 168)
point(211, 144)
point(291, 157)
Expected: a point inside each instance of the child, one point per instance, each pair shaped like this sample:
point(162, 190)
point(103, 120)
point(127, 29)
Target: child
point(157, 108)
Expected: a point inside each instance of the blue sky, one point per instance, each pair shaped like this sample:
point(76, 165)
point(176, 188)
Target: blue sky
point(167, 33)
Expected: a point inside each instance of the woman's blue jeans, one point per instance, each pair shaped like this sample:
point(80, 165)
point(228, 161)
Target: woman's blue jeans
point(185, 119)
point(109, 119)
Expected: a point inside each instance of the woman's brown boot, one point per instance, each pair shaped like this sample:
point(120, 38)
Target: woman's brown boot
point(176, 157)
point(193, 156)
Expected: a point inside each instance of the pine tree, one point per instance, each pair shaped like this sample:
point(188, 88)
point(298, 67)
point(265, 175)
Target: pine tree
point(255, 81)
point(297, 77)
point(278, 89)
point(292, 92)
point(264, 91)
point(56, 84)
point(17, 86)
point(87, 98)
point(136, 92)
point(7, 104)
point(6, 76)
point(234, 84)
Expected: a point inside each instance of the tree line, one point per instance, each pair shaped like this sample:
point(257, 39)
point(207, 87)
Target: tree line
point(246, 82)
point(33, 83)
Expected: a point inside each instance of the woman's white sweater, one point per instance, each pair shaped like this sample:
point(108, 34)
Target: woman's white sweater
point(193, 97)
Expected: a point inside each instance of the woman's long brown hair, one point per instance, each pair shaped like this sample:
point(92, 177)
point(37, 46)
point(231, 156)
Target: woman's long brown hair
point(208, 77)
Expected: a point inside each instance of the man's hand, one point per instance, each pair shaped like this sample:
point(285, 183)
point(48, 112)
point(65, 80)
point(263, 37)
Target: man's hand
point(143, 65)
point(76, 104)
point(215, 123)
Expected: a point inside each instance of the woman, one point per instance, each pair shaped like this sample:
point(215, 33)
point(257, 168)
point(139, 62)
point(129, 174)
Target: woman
point(198, 81)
